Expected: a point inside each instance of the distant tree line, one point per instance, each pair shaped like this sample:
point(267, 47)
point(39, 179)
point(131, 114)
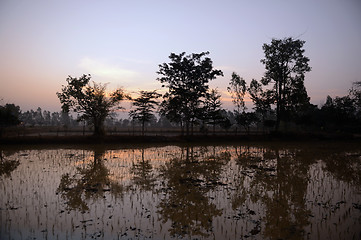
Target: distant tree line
point(280, 99)
point(336, 114)
point(11, 115)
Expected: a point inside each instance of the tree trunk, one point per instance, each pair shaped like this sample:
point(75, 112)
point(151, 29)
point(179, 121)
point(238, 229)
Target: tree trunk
point(143, 123)
point(192, 128)
point(98, 129)
point(182, 127)
point(278, 109)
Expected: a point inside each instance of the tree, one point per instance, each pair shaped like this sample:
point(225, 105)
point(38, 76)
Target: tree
point(9, 115)
point(237, 88)
point(65, 119)
point(355, 95)
point(342, 113)
point(286, 66)
point(144, 105)
point(228, 119)
point(186, 77)
point(27, 118)
point(90, 101)
point(246, 119)
point(55, 119)
point(38, 116)
point(212, 108)
point(261, 99)
point(340, 110)
point(170, 108)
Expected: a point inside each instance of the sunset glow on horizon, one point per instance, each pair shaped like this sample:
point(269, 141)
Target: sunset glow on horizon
point(122, 43)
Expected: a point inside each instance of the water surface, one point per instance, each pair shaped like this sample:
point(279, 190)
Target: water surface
point(279, 191)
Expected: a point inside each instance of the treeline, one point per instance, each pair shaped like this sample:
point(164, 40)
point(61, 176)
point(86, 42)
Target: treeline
point(12, 115)
point(336, 114)
point(280, 99)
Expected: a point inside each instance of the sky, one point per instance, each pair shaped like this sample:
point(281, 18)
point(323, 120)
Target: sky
point(121, 43)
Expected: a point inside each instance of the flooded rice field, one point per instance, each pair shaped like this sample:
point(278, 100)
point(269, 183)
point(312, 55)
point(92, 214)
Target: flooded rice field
point(298, 191)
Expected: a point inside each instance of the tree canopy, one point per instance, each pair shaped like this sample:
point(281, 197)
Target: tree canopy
point(9, 115)
point(212, 110)
point(186, 77)
point(237, 88)
point(90, 101)
point(286, 66)
point(261, 99)
point(144, 105)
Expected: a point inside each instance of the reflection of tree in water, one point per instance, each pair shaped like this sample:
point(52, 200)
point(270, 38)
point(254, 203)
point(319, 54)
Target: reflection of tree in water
point(143, 173)
point(187, 181)
point(278, 178)
point(90, 182)
point(7, 165)
point(287, 215)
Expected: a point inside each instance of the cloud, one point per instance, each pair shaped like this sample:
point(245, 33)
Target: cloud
point(105, 70)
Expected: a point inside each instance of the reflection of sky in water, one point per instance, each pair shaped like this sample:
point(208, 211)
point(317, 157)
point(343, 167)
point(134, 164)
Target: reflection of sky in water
point(222, 192)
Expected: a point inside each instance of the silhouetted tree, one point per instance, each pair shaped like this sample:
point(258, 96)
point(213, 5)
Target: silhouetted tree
point(339, 111)
point(38, 116)
point(144, 105)
point(65, 119)
point(164, 122)
point(238, 88)
point(90, 101)
point(27, 118)
point(227, 118)
point(261, 99)
point(9, 115)
point(55, 119)
point(171, 109)
point(47, 118)
point(126, 123)
point(246, 119)
point(187, 80)
point(342, 113)
point(286, 66)
point(355, 95)
point(212, 108)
